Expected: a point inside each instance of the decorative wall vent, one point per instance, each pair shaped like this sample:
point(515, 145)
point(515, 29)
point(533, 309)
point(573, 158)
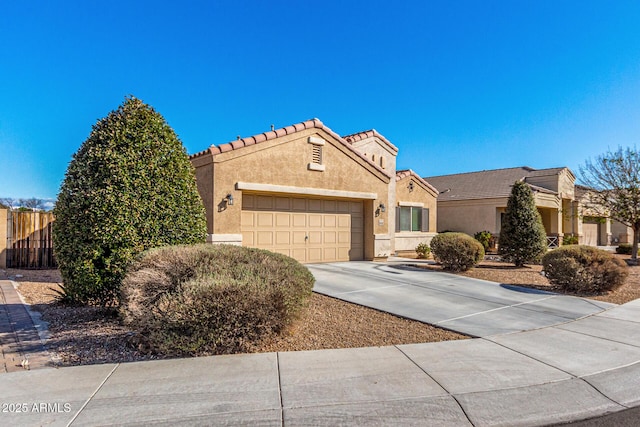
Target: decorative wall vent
point(316, 154)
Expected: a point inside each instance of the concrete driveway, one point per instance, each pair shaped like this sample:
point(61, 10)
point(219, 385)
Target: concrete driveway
point(470, 306)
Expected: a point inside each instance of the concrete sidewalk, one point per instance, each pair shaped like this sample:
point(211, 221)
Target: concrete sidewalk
point(19, 335)
point(573, 370)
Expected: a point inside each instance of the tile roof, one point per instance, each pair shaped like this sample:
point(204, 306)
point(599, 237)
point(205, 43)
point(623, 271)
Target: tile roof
point(402, 174)
point(288, 130)
point(355, 137)
point(488, 183)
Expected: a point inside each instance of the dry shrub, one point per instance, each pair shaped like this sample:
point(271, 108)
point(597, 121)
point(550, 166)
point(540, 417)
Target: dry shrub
point(211, 299)
point(456, 251)
point(584, 269)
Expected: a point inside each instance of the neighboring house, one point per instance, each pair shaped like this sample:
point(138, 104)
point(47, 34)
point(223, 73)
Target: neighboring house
point(309, 193)
point(476, 201)
point(416, 211)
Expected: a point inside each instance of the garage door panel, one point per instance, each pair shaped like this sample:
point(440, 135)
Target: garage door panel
point(344, 221)
point(264, 202)
point(246, 219)
point(265, 219)
point(314, 255)
point(299, 220)
point(309, 230)
point(330, 254)
point(315, 237)
point(299, 237)
point(315, 221)
point(330, 221)
point(329, 206)
point(264, 238)
point(247, 238)
point(314, 205)
point(330, 237)
point(283, 220)
point(343, 207)
point(283, 238)
point(282, 203)
point(344, 236)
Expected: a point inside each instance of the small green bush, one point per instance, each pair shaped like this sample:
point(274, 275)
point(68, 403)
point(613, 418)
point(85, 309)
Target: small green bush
point(485, 239)
point(423, 251)
point(456, 251)
point(211, 299)
point(570, 239)
point(625, 249)
point(584, 269)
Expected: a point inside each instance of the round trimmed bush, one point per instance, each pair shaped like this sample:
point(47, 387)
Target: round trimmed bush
point(456, 251)
point(584, 269)
point(211, 299)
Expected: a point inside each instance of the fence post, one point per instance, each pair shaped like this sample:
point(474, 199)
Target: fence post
point(4, 236)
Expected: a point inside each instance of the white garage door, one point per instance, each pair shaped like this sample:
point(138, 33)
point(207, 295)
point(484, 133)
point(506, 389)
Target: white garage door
point(309, 230)
point(590, 234)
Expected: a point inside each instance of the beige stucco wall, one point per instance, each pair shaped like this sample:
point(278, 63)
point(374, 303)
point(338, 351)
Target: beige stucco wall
point(621, 232)
point(284, 162)
point(471, 216)
point(3, 238)
point(380, 153)
point(406, 241)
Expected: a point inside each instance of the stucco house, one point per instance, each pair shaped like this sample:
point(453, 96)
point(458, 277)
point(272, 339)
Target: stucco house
point(476, 201)
point(307, 192)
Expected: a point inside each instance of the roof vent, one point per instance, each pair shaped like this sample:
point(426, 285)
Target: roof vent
point(272, 128)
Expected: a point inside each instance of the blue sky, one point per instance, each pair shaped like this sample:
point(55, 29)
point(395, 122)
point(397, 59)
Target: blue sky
point(456, 86)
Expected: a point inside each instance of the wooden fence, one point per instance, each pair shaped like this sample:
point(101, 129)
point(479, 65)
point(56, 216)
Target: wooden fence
point(29, 242)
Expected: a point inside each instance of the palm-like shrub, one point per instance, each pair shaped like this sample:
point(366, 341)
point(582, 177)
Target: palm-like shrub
point(584, 269)
point(130, 187)
point(456, 251)
point(211, 299)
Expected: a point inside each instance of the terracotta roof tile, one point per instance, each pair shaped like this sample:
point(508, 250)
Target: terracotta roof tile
point(402, 174)
point(226, 147)
point(367, 134)
point(288, 130)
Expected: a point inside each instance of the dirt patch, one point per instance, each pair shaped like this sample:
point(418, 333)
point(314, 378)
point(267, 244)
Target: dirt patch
point(89, 335)
point(531, 276)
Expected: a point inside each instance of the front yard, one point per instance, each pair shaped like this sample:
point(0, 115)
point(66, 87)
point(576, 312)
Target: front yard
point(88, 335)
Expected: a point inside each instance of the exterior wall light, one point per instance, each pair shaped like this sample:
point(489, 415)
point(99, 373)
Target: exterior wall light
point(382, 207)
point(229, 199)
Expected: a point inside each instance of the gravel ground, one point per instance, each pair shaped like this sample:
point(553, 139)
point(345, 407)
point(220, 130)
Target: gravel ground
point(89, 335)
point(531, 276)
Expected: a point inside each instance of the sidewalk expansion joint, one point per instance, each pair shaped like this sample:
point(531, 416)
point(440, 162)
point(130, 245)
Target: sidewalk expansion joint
point(437, 382)
point(92, 395)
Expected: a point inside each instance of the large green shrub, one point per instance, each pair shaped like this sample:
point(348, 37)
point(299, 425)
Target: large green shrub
point(130, 187)
point(584, 269)
point(211, 299)
point(523, 238)
point(456, 251)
